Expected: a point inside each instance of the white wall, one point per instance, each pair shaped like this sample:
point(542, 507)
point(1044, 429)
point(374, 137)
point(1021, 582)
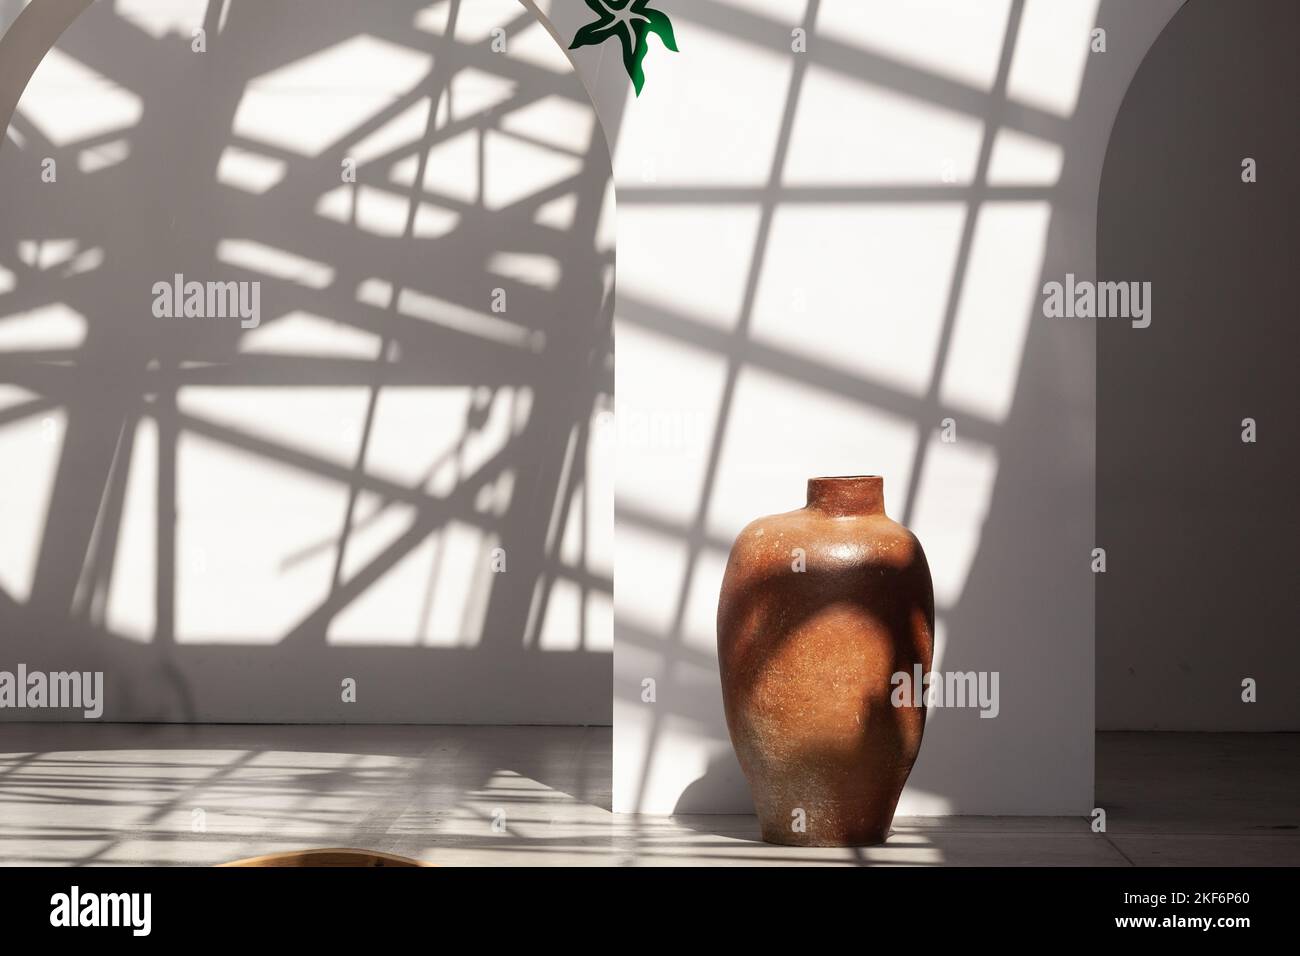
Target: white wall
point(822, 256)
point(229, 522)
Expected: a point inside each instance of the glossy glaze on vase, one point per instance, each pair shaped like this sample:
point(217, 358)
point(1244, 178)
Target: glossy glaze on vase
point(820, 607)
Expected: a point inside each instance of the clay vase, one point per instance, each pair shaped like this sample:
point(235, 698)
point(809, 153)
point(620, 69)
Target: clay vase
point(820, 607)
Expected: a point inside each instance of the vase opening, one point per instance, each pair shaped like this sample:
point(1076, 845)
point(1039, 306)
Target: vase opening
point(847, 495)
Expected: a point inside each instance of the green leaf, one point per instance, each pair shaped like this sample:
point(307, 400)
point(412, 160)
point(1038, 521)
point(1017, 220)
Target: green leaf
point(662, 27)
point(593, 34)
point(632, 21)
point(634, 51)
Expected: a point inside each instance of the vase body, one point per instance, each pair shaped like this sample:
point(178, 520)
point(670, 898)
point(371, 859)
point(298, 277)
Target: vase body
point(820, 608)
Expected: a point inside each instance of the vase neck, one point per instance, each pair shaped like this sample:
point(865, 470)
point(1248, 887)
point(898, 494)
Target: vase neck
point(856, 495)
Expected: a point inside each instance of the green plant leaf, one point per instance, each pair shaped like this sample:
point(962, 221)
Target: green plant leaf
point(593, 34)
point(632, 21)
point(662, 27)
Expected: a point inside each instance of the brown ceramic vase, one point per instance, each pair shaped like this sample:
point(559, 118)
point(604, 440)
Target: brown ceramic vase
point(820, 607)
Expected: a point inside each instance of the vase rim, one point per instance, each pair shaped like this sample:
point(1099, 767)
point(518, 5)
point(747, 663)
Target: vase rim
point(847, 495)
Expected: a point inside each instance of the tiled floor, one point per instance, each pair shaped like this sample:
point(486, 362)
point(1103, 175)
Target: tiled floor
point(131, 794)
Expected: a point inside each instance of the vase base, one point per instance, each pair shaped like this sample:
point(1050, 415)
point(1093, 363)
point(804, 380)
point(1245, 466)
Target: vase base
point(782, 835)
